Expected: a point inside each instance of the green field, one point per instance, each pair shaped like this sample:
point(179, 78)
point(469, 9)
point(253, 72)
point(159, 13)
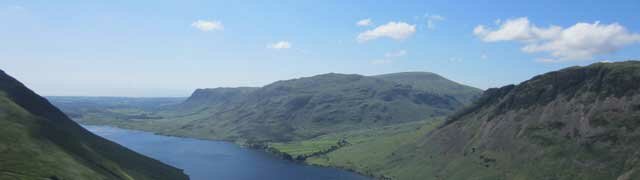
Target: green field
point(368, 150)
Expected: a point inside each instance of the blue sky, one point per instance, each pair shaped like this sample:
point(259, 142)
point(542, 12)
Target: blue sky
point(169, 48)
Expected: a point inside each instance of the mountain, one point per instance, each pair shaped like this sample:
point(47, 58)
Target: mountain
point(575, 123)
point(307, 107)
point(304, 108)
point(214, 98)
point(434, 83)
point(38, 141)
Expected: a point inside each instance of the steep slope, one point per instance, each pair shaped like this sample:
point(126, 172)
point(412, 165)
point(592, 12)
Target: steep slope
point(576, 123)
point(215, 98)
point(37, 141)
point(434, 83)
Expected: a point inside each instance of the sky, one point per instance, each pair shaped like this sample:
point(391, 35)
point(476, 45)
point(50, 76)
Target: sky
point(169, 48)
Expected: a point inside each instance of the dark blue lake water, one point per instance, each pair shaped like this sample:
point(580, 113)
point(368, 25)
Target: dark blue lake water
point(213, 160)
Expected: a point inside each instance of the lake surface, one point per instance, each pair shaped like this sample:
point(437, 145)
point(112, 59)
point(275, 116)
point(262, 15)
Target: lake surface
point(207, 160)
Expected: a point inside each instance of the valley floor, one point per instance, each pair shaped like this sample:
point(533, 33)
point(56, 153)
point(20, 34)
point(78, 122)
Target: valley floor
point(365, 151)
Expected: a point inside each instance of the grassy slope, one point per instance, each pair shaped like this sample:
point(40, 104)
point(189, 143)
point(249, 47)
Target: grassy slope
point(434, 83)
point(577, 123)
point(37, 141)
point(371, 151)
point(27, 155)
point(288, 110)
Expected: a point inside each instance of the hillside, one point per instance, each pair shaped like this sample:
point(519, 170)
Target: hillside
point(37, 141)
point(434, 83)
point(576, 123)
point(298, 109)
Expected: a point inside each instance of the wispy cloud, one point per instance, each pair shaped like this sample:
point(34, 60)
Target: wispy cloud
point(204, 25)
point(364, 22)
point(580, 41)
point(279, 45)
point(432, 19)
point(393, 30)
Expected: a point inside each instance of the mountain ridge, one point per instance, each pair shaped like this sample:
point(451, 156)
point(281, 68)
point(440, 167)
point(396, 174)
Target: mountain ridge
point(574, 123)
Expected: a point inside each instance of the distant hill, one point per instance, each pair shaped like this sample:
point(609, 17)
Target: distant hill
point(37, 141)
point(214, 98)
point(434, 83)
point(306, 107)
point(576, 123)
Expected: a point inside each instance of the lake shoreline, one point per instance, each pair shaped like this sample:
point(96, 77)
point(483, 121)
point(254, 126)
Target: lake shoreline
point(258, 147)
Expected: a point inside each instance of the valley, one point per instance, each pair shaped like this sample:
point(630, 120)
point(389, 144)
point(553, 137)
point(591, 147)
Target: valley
point(486, 139)
point(320, 90)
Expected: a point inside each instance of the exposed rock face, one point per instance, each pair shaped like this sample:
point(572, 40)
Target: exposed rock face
point(576, 123)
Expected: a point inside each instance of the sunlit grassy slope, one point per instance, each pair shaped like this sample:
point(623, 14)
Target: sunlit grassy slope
point(37, 141)
point(369, 151)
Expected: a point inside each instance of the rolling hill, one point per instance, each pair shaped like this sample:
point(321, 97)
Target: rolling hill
point(38, 141)
point(304, 108)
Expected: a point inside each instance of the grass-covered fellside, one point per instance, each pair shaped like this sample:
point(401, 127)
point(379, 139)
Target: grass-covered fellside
point(37, 141)
point(365, 151)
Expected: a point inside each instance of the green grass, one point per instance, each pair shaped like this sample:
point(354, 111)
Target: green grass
point(368, 151)
point(37, 141)
point(26, 155)
point(305, 148)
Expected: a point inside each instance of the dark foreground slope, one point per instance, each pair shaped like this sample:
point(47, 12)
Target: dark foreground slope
point(37, 141)
point(576, 123)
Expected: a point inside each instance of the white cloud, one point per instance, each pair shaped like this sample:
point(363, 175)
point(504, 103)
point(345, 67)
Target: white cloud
point(279, 45)
point(381, 61)
point(393, 30)
point(578, 42)
point(432, 19)
point(399, 53)
point(204, 25)
point(364, 22)
point(484, 56)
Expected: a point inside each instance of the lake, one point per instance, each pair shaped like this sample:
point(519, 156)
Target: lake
point(207, 160)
